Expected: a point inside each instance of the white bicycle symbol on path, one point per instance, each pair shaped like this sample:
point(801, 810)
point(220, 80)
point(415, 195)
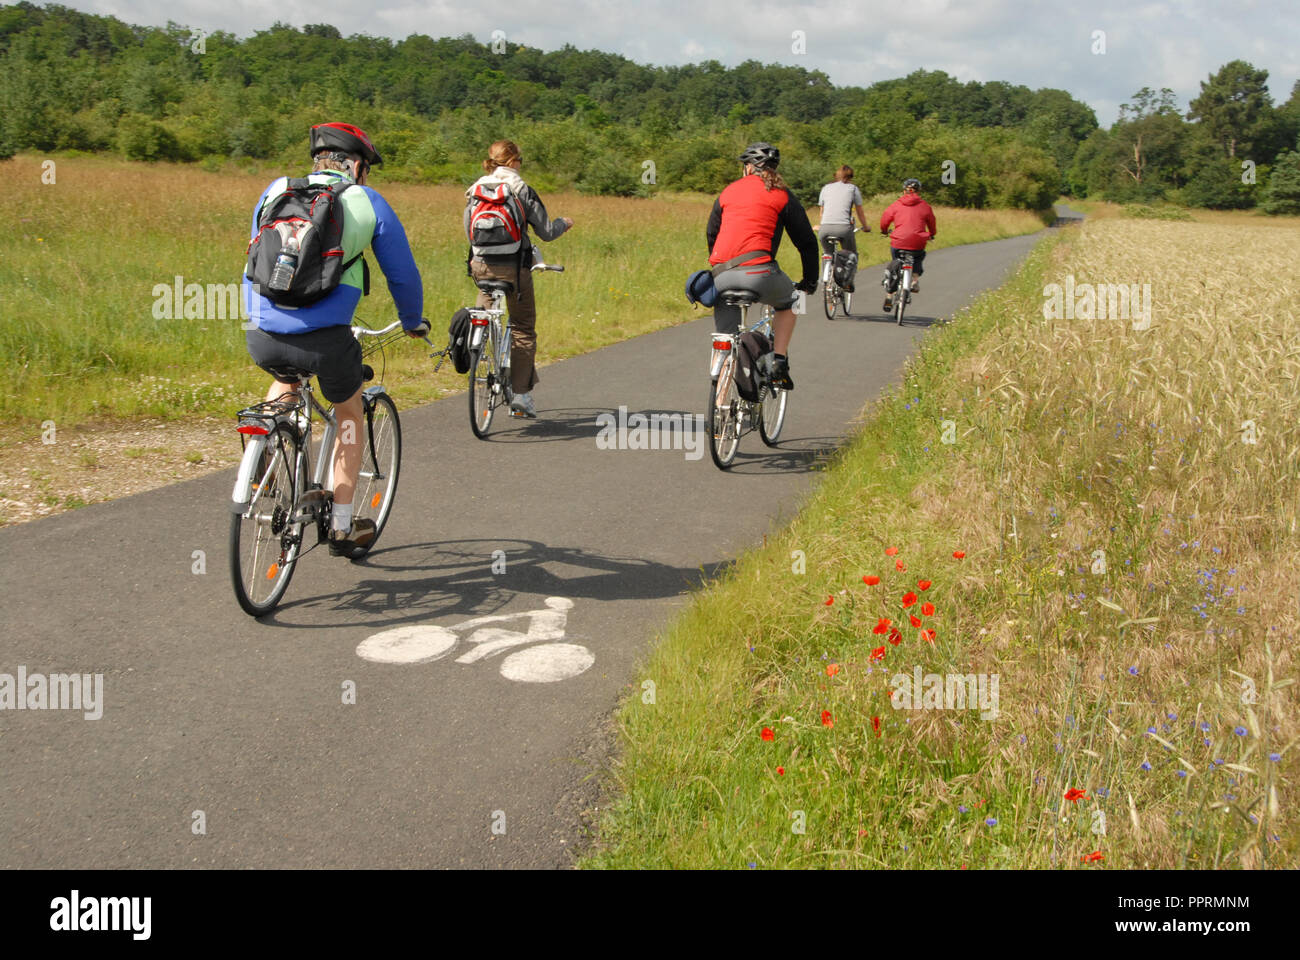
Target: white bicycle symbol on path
point(546, 662)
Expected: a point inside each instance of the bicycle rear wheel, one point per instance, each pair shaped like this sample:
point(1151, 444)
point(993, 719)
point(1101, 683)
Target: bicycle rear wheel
point(482, 385)
point(724, 415)
point(902, 296)
point(772, 417)
point(830, 296)
point(377, 482)
point(264, 544)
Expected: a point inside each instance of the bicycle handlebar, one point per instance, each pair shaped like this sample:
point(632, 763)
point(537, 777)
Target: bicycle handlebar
point(555, 267)
point(357, 328)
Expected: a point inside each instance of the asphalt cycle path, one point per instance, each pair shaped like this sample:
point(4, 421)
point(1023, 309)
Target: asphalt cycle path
point(446, 701)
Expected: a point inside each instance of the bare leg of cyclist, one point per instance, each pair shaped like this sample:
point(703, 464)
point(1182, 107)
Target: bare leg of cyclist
point(348, 447)
point(782, 330)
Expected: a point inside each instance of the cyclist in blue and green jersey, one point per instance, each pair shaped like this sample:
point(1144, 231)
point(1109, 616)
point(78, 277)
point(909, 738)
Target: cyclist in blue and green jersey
point(318, 337)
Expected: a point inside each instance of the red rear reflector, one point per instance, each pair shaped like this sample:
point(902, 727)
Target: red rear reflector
point(721, 344)
point(475, 321)
point(253, 430)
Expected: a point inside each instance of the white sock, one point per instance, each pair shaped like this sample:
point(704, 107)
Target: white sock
point(342, 517)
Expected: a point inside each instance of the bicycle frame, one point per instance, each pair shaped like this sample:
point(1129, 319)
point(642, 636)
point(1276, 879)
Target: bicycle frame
point(498, 319)
point(305, 404)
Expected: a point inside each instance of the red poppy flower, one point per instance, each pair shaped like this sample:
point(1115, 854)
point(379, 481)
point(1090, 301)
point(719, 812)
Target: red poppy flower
point(890, 551)
point(927, 635)
point(875, 725)
point(927, 609)
point(780, 771)
point(923, 584)
point(1093, 857)
point(899, 565)
point(959, 554)
point(916, 621)
point(895, 636)
point(829, 601)
point(1074, 795)
point(881, 625)
point(832, 669)
point(767, 733)
point(878, 653)
point(826, 719)
point(870, 580)
point(909, 598)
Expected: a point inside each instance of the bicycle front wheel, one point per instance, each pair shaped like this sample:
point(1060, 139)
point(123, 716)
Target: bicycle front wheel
point(482, 387)
point(377, 482)
point(772, 418)
point(264, 540)
point(724, 415)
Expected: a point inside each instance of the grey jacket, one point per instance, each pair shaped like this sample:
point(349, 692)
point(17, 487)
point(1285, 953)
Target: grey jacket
point(545, 228)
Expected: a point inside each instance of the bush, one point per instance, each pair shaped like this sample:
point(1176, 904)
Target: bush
point(1216, 184)
point(140, 138)
point(1282, 195)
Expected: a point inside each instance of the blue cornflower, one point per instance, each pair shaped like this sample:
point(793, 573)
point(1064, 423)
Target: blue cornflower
point(991, 821)
point(1181, 774)
point(1171, 716)
point(1205, 725)
point(1145, 766)
point(1239, 731)
point(1275, 757)
point(1132, 671)
point(962, 810)
point(1151, 729)
point(1218, 762)
point(1102, 792)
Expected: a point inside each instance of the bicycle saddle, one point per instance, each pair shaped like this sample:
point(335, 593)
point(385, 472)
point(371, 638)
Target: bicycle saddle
point(492, 286)
point(737, 298)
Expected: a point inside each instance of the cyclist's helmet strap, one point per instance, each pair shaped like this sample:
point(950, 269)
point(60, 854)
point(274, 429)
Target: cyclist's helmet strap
point(762, 155)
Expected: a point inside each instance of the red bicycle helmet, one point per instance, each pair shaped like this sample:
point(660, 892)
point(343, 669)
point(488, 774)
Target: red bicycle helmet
point(346, 138)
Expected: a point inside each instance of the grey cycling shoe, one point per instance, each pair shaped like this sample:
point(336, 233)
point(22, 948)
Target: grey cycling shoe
point(344, 542)
point(521, 405)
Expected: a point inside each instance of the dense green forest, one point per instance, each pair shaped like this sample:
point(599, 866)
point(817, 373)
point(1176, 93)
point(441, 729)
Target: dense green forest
point(603, 124)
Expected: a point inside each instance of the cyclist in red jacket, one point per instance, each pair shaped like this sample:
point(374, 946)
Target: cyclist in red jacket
point(744, 233)
point(914, 227)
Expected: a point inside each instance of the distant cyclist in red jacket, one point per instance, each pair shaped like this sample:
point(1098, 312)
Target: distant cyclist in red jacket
point(744, 233)
point(913, 223)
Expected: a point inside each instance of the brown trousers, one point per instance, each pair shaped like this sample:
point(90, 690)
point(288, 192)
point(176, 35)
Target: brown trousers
point(523, 319)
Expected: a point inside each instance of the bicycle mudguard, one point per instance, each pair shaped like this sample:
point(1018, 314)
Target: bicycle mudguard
point(244, 479)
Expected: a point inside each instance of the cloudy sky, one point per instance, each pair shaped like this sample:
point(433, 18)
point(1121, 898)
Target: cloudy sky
point(1040, 44)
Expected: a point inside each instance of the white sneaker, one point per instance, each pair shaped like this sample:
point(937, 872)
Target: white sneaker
point(521, 405)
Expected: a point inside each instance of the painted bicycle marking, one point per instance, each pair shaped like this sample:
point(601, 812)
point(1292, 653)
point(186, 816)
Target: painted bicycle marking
point(547, 661)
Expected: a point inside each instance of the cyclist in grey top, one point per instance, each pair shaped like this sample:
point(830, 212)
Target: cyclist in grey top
point(839, 199)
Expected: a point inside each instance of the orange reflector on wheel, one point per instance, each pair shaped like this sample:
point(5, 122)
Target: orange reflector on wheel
point(272, 571)
point(721, 344)
point(375, 500)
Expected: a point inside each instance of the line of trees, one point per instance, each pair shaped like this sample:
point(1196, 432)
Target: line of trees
point(604, 124)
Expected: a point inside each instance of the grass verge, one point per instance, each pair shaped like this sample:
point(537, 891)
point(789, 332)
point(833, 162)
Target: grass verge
point(1100, 517)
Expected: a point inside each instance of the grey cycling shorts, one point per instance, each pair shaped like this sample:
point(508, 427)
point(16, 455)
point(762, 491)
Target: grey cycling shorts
point(765, 279)
point(843, 232)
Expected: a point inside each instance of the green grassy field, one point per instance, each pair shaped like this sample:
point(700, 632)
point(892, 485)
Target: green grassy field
point(1101, 517)
point(78, 268)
